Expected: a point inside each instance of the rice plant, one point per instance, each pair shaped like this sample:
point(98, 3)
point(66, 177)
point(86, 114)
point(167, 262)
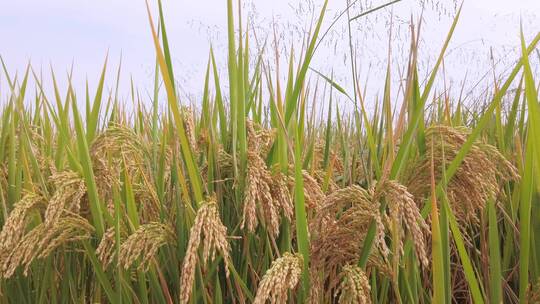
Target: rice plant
point(252, 196)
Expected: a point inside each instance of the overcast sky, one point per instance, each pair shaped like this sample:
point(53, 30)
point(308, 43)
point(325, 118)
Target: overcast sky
point(60, 32)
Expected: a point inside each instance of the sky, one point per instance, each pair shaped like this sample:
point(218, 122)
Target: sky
point(80, 33)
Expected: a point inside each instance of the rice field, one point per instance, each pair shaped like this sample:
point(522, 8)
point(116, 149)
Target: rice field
point(269, 192)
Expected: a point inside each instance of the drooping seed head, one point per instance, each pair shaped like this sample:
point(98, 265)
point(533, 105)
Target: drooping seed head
point(70, 189)
point(282, 277)
point(267, 195)
point(209, 232)
point(354, 287)
point(15, 225)
point(43, 239)
point(107, 246)
point(476, 180)
point(144, 244)
point(404, 212)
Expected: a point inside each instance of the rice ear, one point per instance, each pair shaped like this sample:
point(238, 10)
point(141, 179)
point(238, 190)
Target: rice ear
point(404, 212)
point(354, 287)
point(209, 232)
point(477, 179)
point(41, 241)
point(188, 118)
point(267, 195)
point(282, 277)
point(15, 225)
point(119, 148)
point(338, 231)
point(106, 248)
point(70, 189)
point(144, 244)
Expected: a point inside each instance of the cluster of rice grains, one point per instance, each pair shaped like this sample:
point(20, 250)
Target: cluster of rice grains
point(144, 244)
point(477, 179)
point(208, 231)
point(283, 276)
point(354, 287)
point(340, 227)
point(117, 153)
point(267, 194)
point(106, 248)
point(62, 224)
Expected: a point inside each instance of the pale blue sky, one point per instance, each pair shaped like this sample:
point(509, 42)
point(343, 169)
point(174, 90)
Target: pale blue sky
point(81, 31)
